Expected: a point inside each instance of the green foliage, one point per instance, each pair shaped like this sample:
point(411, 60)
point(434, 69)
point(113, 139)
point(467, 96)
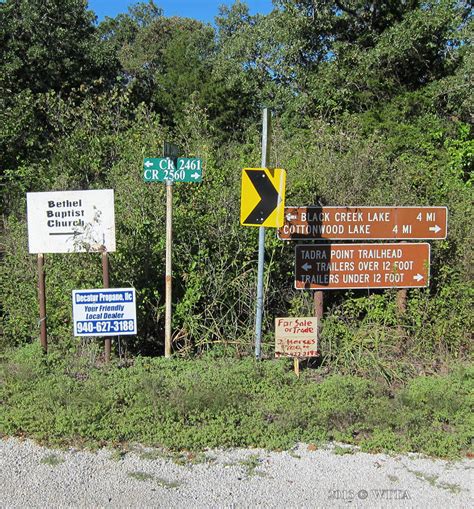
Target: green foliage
point(372, 53)
point(46, 46)
point(52, 460)
point(461, 154)
point(373, 107)
point(191, 405)
point(250, 465)
point(361, 160)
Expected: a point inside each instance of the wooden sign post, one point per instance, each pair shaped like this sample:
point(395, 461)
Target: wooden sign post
point(168, 268)
point(169, 169)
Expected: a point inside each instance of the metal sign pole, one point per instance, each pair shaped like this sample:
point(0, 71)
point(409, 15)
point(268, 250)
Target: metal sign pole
point(42, 302)
point(105, 284)
point(169, 240)
point(401, 302)
point(261, 240)
point(318, 309)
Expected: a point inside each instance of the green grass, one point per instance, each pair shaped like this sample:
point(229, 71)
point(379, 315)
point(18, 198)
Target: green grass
point(145, 476)
point(118, 455)
point(250, 465)
point(52, 460)
point(433, 480)
point(187, 406)
point(152, 455)
point(164, 483)
point(342, 451)
point(140, 476)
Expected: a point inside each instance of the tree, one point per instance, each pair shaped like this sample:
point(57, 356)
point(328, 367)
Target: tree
point(370, 51)
point(45, 46)
point(50, 45)
point(249, 57)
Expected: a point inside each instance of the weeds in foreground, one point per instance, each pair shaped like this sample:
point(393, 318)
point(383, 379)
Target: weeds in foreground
point(118, 455)
point(145, 476)
point(250, 465)
point(52, 460)
point(141, 476)
point(342, 451)
point(152, 455)
point(432, 480)
point(187, 406)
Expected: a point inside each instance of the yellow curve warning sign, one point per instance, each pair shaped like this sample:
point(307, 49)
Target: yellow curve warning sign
point(262, 200)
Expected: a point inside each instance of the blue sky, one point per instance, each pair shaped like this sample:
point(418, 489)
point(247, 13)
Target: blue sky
point(203, 10)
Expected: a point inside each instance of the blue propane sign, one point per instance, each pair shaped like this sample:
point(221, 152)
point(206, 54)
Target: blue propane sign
point(104, 312)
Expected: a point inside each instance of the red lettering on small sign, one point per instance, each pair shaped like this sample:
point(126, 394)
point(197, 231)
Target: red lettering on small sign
point(296, 337)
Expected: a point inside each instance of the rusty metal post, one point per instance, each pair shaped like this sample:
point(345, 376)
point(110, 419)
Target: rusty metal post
point(401, 305)
point(401, 301)
point(401, 309)
point(318, 305)
point(318, 312)
point(318, 309)
point(42, 302)
point(168, 274)
point(105, 281)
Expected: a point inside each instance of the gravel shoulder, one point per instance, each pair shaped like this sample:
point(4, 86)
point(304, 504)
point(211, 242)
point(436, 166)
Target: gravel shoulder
point(333, 476)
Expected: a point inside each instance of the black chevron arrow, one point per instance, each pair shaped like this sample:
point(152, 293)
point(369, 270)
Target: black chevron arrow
point(269, 197)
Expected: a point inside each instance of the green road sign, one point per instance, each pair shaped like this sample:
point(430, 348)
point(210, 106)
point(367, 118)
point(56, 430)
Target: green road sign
point(165, 169)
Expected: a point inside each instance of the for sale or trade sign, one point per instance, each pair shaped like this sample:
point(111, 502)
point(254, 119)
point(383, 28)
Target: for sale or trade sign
point(351, 266)
point(104, 312)
point(296, 337)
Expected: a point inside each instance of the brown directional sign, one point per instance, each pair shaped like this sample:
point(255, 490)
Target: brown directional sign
point(345, 223)
point(351, 266)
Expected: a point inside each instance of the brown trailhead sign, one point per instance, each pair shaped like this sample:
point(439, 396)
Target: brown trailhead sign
point(296, 337)
point(334, 266)
point(345, 223)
